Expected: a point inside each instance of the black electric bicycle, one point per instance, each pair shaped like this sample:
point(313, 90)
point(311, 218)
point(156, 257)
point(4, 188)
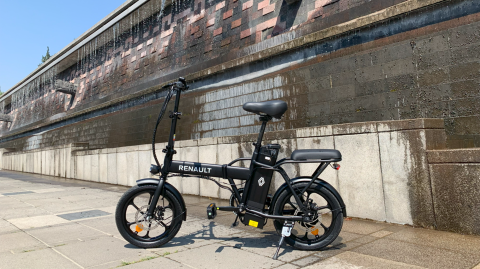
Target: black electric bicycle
point(307, 211)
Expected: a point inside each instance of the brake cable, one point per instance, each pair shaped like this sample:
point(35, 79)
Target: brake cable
point(160, 116)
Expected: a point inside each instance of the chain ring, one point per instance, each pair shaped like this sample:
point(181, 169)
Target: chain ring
point(143, 223)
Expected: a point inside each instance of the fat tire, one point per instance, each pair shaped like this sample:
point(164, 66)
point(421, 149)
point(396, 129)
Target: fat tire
point(327, 195)
point(119, 214)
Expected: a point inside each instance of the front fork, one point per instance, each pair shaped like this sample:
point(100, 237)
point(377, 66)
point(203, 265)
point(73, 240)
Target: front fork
point(158, 191)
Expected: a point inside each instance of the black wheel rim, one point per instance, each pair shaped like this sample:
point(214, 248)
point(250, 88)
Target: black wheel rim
point(163, 226)
point(316, 231)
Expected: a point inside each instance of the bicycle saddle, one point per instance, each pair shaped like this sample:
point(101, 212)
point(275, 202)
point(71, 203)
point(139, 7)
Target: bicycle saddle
point(274, 108)
point(316, 154)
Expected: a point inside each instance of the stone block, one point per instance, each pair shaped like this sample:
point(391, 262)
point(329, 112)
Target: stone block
point(396, 125)
point(44, 162)
point(112, 168)
point(61, 168)
point(147, 147)
point(360, 178)
point(314, 131)
point(454, 156)
point(355, 128)
point(397, 165)
point(122, 169)
point(186, 143)
point(226, 153)
point(144, 163)
point(207, 141)
point(79, 167)
point(103, 168)
point(95, 169)
point(208, 154)
point(287, 146)
point(87, 167)
point(455, 188)
point(187, 185)
point(132, 167)
point(68, 161)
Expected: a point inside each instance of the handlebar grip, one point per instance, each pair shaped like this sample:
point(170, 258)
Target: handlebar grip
point(182, 80)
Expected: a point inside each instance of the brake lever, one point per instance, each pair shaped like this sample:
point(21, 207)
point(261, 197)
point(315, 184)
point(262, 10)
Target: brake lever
point(167, 86)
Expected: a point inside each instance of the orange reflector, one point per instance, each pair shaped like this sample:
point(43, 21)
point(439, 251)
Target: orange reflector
point(315, 232)
point(139, 228)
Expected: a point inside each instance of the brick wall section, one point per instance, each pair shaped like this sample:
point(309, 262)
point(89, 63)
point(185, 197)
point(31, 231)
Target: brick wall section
point(115, 69)
point(428, 72)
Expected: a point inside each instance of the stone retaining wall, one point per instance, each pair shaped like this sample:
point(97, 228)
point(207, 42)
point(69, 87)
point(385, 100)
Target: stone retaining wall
point(384, 174)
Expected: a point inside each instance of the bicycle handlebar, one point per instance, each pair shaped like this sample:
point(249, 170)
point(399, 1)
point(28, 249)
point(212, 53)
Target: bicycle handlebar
point(180, 84)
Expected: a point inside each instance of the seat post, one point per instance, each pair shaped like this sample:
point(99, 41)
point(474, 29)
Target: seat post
point(265, 119)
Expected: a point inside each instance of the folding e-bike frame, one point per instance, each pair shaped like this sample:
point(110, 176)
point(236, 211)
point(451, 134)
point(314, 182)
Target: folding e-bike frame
point(229, 172)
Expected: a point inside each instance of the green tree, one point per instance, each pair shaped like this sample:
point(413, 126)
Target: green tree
point(46, 57)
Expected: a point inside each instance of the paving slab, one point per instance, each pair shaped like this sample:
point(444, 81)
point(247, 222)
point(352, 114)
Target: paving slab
point(221, 256)
point(84, 214)
point(102, 250)
point(38, 259)
point(18, 242)
point(64, 232)
point(363, 226)
point(159, 262)
point(352, 260)
point(37, 221)
point(266, 245)
point(22, 212)
point(430, 257)
point(103, 224)
point(456, 242)
point(6, 227)
point(96, 243)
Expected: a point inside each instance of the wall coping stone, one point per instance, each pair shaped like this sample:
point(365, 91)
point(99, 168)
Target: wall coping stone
point(318, 131)
point(471, 155)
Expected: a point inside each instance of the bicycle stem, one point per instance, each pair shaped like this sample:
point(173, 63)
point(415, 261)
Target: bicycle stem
point(169, 150)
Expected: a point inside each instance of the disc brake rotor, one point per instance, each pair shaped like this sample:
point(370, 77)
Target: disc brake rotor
point(142, 223)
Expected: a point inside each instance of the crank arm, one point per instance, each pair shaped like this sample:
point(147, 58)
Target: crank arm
point(228, 208)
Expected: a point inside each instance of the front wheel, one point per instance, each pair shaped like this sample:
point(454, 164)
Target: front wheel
point(136, 228)
point(327, 222)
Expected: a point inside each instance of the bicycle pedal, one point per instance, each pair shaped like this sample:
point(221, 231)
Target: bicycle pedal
point(211, 211)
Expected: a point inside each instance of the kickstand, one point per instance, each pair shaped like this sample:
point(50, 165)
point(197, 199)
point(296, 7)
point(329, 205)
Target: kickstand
point(278, 249)
point(286, 232)
point(235, 223)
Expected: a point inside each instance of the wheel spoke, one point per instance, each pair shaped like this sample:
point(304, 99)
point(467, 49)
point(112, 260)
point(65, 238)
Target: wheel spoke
point(130, 223)
point(134, 205)
point(290, 203)
point(163, 224)
point(148, 232)
point(324, 227)
point(288, 212)
point(322, 207)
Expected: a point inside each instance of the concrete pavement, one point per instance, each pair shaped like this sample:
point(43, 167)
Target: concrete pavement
point(49, 222)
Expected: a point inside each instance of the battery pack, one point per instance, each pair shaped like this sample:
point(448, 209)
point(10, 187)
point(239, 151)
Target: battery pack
point(260, 184)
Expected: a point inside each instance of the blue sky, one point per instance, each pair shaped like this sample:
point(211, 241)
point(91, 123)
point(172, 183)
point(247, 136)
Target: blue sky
point(28, 27)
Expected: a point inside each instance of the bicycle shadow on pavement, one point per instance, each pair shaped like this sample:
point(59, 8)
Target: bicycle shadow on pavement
point(239, 239)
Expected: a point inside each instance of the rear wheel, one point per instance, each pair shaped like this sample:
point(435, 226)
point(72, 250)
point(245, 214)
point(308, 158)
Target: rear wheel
point(136, 228)
point(327, 222)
